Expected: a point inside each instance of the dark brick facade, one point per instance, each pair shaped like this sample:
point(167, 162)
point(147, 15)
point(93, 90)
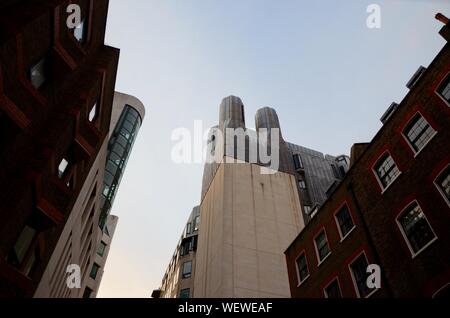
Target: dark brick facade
point(375, 212)
point(40, 127)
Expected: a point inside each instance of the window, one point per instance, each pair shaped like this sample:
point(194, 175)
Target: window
point(443, 183)
point(333, 290)
point(418, 133)
point(444, 90)
point(184, 293)
point(62, 168)
point(344, 221)
point(302, 268)
point(38, 73)
point(187, 269)
point(386, 170)
point(87, 292)
point(188, 228)
point(79, 32)
point(196, 222)
point(307, 209)
point(101, 248)
point(298, 163)
point(322, 247)
point(415, 228)
point(93, 113)
point(302, 184)
point(24, 254)
point(358, 270)
point(94, 271)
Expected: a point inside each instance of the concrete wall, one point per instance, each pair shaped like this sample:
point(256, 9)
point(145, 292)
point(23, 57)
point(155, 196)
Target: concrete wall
point(247, 221)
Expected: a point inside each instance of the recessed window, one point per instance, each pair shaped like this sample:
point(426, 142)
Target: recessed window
point(307, 209)
point(386, 170)
point(38, 73)
point(24, 254)
point(443, 183)
point(189, 228)
point(185, 293)
point(344, 221)
point(418, 133)
point(187, 269)
point(94, 271)
point(62, 168)
point(79, 33)
point(87, 292)
point(415, 228)
point(302, 268)
point(302, 184)
point(333, 290)
point(322, 247)
point(101, 249)
point(298, 163)
point(93, 113)
point(358, 269)
point(444, 90)
point(196, 222)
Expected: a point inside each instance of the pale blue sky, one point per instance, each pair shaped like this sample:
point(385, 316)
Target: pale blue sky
point(329, 77)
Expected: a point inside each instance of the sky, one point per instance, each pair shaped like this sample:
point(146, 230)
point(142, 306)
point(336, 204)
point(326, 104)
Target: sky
point(327, 74)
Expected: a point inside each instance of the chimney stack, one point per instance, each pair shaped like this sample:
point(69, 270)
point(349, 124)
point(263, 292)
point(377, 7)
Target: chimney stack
point(442, 18)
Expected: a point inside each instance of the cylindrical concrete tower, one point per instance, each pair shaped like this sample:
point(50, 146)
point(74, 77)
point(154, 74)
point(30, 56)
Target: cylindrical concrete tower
point(231, 113)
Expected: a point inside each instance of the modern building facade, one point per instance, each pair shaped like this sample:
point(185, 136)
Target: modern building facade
point(392, 209)
point(56, 95)
point(178, 281)
point(249, 217)
point(86, 238)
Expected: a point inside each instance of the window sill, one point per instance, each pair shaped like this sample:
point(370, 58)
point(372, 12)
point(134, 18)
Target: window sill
point(303, 281)
point(347, 235)
point(324, 259)
point(416, 154)
point(414, 255)
point(390, 184)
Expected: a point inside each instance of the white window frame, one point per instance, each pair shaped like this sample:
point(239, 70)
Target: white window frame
point(374, 171)
point(405, 237)
point(447, 76)
point(300, 282)
point(319, 262)
point(337, 221)
point(355, 285)
point(332, 281)
point(417, 152)
point(439, 187)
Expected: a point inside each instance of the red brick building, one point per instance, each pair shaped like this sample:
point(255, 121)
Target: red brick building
point(56, 93)
point(392, 208)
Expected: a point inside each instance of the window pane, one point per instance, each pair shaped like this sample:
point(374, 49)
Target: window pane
point(94, 271)
point(445, 90)
point(298, 163)
point(416, 227)
point(444, 183)
point(387, 170)
point(101, 249)
point(184, 293)
point(322, 246)
point(78, 32)
point(345, 221)
point(22, 245)
point(333, 290)
point(302, 268)
point(419, 132)
point(359, 271)
point(187, 269)
point(62, 168)
point(38, 73)
point(93, 113)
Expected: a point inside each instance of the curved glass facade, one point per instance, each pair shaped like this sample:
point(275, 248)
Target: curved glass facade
point(119, 148)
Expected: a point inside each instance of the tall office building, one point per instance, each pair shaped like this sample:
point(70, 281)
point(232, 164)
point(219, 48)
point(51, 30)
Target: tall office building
point(87, 235)
point(56, 95)
point(247, 217)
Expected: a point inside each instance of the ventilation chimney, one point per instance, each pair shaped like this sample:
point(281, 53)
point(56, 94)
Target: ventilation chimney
point(442, 18)
point(389, 112)
point(415, 78)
